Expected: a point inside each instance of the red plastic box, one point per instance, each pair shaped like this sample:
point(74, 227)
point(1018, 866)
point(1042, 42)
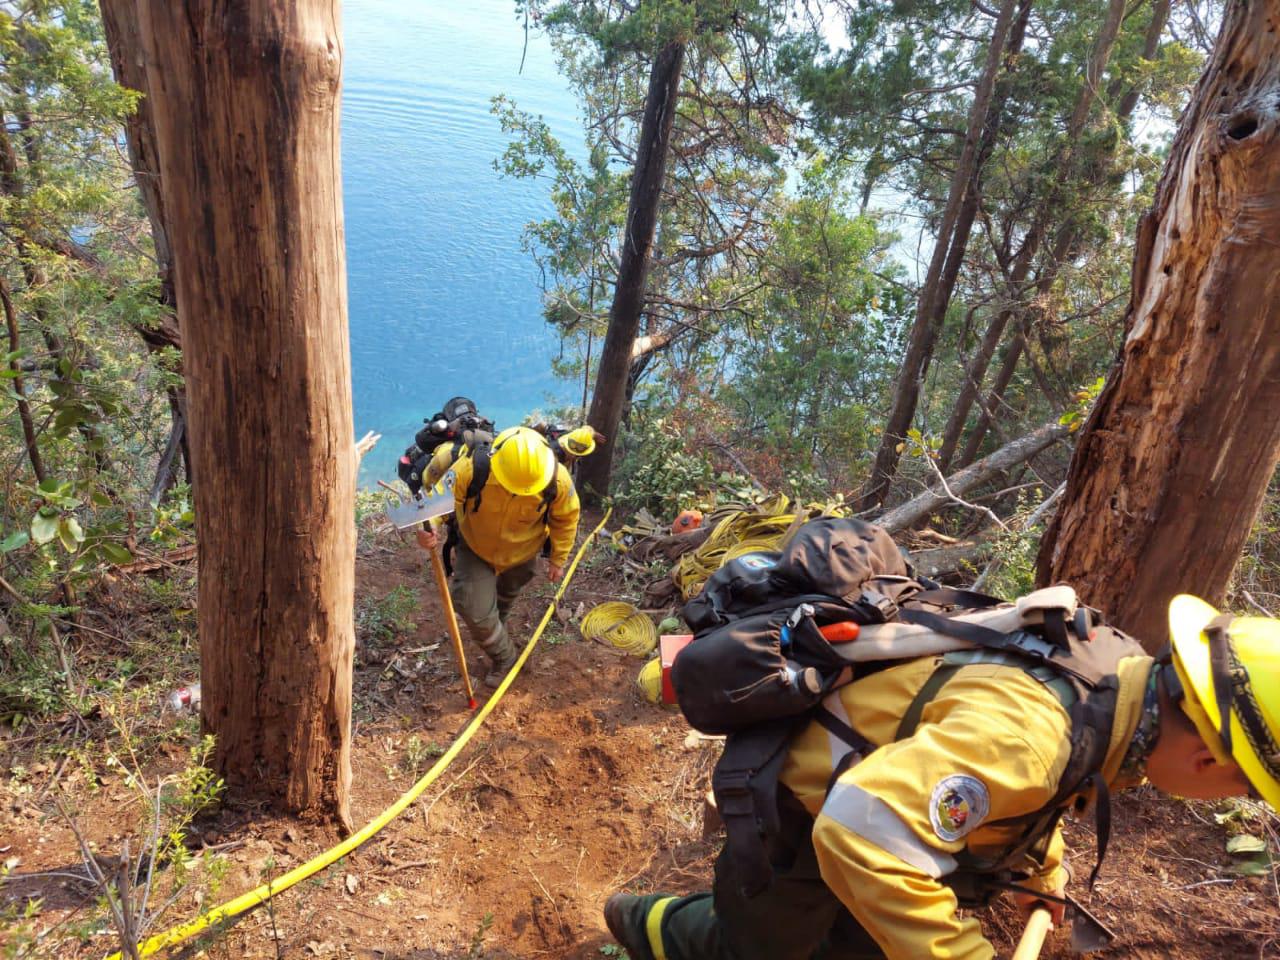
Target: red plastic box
point(669, 645)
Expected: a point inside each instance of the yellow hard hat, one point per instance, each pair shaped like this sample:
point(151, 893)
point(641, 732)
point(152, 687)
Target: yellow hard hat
point(1231, 665)
point(578, 443)
point(522, 461)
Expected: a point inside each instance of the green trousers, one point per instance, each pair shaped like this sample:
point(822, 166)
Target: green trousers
point(483, 598)
point(796, 917)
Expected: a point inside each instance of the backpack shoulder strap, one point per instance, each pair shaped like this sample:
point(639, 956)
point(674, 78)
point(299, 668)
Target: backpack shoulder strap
point(479, 476)
point(549, 494)
point(1082, 676)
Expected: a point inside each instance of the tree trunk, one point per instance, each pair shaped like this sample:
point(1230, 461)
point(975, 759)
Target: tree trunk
point(19, 388)
point(986, 417)
point(1064, 162)
point(948, 253)
point(1173, 463)
point(120, 25)
point(245, 100)
point(595, 472)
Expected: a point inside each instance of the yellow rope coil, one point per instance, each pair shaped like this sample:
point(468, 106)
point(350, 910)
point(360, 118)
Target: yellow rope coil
point(621, 625)
point(650, 680)
point(247, 901)
point(739, 529)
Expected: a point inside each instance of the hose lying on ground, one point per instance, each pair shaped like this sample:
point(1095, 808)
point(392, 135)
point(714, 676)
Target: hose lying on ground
point(259, 895)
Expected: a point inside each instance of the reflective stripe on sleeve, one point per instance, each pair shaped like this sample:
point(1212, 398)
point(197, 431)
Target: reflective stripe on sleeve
point(874, 820)
point(653, 927)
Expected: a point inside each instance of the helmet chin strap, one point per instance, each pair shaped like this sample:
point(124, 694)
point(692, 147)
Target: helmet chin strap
point(1222, 672)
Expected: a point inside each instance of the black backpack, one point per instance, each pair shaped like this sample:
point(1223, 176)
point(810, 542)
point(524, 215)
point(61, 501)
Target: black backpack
point(457, 422)
point(759, 668)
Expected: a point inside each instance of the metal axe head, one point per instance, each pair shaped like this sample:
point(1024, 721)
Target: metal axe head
point(420, 509)
point(1088, 933)
point(417, 511)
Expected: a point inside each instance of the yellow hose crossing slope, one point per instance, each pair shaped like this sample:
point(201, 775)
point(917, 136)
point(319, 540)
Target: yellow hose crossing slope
point(247, 901)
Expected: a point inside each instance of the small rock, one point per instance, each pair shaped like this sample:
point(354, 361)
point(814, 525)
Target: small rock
point(353, 883)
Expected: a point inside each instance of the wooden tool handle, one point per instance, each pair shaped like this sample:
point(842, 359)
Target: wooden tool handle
point(451, 617)
point(1038, 927)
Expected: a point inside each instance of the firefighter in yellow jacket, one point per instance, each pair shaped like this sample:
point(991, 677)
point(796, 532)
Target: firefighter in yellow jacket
point(510, 498)
point(872, 862)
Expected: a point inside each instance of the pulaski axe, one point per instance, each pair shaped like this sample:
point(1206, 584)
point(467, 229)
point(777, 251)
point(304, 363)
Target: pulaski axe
point(411, 513)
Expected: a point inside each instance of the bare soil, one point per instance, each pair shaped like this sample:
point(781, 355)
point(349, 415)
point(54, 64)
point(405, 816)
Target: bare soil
point(575, 788)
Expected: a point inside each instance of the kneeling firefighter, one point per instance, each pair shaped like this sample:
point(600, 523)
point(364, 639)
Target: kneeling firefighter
point(510, 498)
point(938, 781)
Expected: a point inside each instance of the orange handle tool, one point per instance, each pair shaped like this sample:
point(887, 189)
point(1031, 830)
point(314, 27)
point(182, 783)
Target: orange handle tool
point(841, 632)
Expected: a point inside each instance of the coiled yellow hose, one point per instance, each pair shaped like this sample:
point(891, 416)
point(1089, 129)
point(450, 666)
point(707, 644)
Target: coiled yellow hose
point(622, 626)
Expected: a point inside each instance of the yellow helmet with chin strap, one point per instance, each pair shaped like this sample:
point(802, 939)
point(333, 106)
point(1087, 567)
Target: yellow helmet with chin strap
point(522, 461)
point(1229, 668)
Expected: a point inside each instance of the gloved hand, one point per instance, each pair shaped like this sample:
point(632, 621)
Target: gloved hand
point(1027, 902)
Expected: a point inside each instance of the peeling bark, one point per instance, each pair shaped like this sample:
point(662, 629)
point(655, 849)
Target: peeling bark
point(245, 100)
point(1175, 458)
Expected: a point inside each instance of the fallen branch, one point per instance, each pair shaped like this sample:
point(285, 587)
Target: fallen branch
point(971, 477)
point(956, 499)
point(941, 561)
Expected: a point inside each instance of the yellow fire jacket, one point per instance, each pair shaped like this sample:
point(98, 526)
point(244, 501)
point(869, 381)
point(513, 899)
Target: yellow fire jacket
point(507, 530)
point(992, 744)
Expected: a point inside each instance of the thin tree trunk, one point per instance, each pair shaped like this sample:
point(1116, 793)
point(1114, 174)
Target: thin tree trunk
point(607, 401)
point(245, 100)
point(1174, 461)
point(34, 276)
point(1064, 163)
point(1012, 354)
point(120, 25)
point(19, 387)
point(947, 258)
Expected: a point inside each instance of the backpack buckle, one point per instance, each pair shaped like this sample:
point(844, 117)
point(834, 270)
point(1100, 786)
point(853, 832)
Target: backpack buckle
point(799, 613)
point(733, 794)
point(883, 606)
point(1033, 645)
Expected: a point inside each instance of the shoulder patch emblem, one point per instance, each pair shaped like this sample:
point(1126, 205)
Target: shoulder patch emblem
point(958, 805)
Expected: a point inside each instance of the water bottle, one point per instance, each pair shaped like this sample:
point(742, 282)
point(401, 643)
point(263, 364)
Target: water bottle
point(184, 698)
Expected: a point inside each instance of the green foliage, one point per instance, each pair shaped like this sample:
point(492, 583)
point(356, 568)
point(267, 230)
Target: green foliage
point(664, 469)
point(78, 271)
point(381, 619)
point(31, 681)
point(475, 950)
point(1076, 415)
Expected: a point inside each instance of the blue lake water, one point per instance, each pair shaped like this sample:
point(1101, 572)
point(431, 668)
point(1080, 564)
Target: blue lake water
point(443, 300)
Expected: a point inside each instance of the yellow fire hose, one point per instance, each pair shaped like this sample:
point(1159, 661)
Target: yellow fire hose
point(247, 901)
point(621, 625)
